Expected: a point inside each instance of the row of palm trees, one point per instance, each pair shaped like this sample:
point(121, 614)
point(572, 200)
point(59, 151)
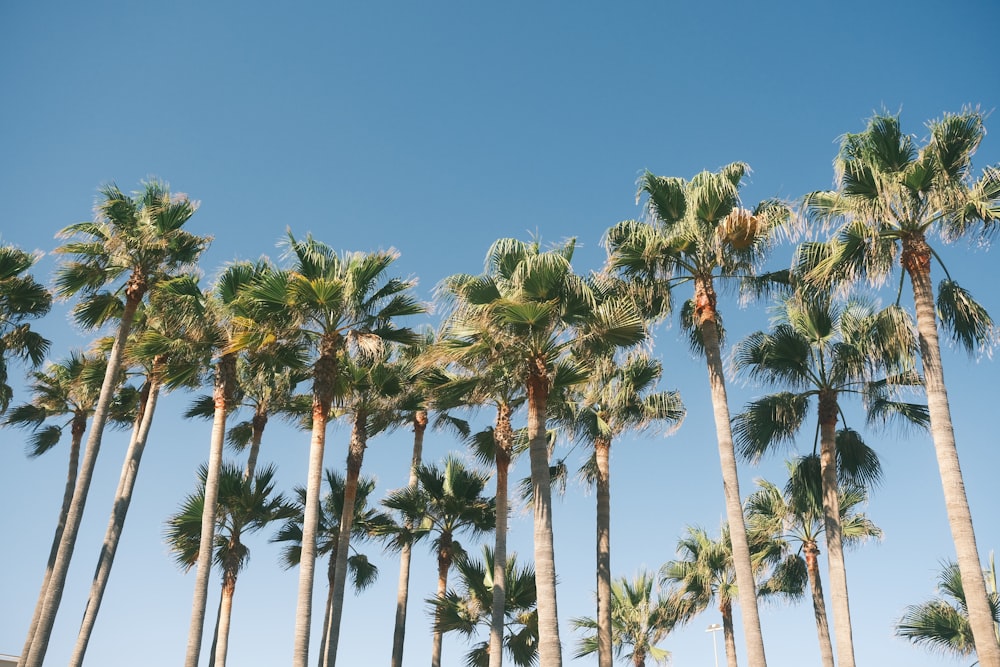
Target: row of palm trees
point(531, 332)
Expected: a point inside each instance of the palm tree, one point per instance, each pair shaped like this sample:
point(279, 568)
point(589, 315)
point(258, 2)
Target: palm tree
point(892, 198)
point(466, 609)
point(639, 622)
point(535, 310)
point(619, 397)
point(942, 623)
point(21, 299)
point(448, 501)
point(699, 233)
point(245, 506)
point(367, 522)
point(797, 516)
point(824, 349)
point(333, 301)
point(134, 243)
point(68, 388)
point(169, 344)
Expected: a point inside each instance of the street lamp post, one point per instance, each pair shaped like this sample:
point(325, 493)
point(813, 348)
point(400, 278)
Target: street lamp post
point(715, 627)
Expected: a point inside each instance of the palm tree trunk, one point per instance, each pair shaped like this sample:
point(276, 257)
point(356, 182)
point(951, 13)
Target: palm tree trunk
point(549, 646)
point(706, 314)
point(831, 519)
point(355, 457)
point(916, 261)
point(323, 383)
point(112, 537)
point(602, 450)
point(258, 422)
point(728, 634)
point(225, 617)
point(331, 576)
point(79, 424)
point(819, 604)
point(222, 395)
point(503, 436)
point(444, 564)
point(215, 635)
point(57, 582)
point(406, 552)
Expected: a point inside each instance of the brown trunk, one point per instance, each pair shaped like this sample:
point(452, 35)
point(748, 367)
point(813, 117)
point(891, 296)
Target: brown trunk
point(706, 321)
point(602, 452)
point(916, 260)
point(225, 616)
point(444, 564)
point(503, 436)
point(819, 605)
point(728, 633)
point(258, 423)
point(331, 577)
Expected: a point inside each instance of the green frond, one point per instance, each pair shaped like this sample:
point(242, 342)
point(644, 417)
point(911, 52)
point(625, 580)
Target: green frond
point(964, 318)
point(769, 422)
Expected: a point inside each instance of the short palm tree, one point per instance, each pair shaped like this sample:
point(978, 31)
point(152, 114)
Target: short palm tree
point(942, 623)
point(823, 350)
point(367, 521)
point(535, 310)
point(640, 621)
point(21, 299)
point(331, 301)
point(699, 232)
point(448, 501)
point(893, 198)
point(134, 243)
point(620, 396)
point(469, 607)
point(245, 506)
point(797, 516)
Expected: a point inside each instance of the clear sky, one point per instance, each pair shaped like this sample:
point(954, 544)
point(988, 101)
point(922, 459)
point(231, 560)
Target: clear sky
point(437, 127)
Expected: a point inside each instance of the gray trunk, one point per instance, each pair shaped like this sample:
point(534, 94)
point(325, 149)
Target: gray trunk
point(602, 450)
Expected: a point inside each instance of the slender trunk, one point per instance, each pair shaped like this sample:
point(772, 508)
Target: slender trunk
point(225, 617)
point(406, 552)
point(258, 423)
point(916, 260)
point(225, 377)
point(444, 564)
point(819, 604)
point(706, 316)
point(331, 574)
point(215, 635)
point(112, 537)
point(77, 428)
point(831, 521)
point(602, 451)
point(323, 382)
point(728, 635)
point(549, 646)
point(355, 457)
point(57, 582)
point(503, 436)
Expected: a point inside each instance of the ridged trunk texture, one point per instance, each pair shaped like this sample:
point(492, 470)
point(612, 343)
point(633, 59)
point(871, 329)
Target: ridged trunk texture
point(705, 314)
point(225, 617)
point(444, 564)
point(819, 604)
point(112, 537)
point(222, 396)
point(503, 436)
point(916, 261)
point(57, 582)
point(728, 633)
point(406, 553)
point(549, 646)
point(331, 578)
point(258, 423)
point(839, 599)
point(602, 452)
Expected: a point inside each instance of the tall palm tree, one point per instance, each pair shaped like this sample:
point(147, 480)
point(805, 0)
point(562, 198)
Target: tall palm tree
point(470, 606)
point(133, 244)
point(824, 349)
point(942, 623)
point(65, 389)
point(536, 311)
point(367, 523)
point(893, 198)
point(245, 506)
point(449, 501)
point(169, 344)
point(640, 621)
point(21, 299)
point(797, 516)
point(699, 232)
point(620, 396)
point(333, 301)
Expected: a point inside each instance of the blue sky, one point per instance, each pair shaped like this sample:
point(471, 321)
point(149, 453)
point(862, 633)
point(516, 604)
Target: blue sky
point(436, 128)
